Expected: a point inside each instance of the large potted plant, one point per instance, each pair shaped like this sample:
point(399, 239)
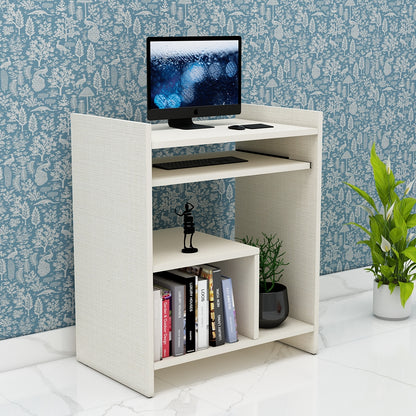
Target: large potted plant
point(273, 300)
point(392, 245)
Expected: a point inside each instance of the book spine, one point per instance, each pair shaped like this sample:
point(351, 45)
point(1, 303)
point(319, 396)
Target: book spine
point(178, 316)
point(203, 314)
point(230, 321)
point(211, 310)
point(211, 274)
point(190, 316)
point(196, 308)
point(194, 271)
point(166, 327)
point(218, 309)
point(189, 282)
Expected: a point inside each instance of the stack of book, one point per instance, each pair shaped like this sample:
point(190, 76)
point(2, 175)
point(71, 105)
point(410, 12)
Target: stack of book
point(193, 309)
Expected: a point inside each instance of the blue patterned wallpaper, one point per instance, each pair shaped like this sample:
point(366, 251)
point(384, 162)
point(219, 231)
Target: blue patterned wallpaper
point(355, 61)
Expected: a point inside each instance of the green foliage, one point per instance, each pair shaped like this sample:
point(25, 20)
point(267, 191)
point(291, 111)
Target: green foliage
point(392, 246)
point(271, 259)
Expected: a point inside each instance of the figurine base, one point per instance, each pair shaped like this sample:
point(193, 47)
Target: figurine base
point(189, 250)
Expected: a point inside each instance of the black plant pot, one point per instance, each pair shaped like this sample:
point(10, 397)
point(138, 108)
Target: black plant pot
point(273, 306)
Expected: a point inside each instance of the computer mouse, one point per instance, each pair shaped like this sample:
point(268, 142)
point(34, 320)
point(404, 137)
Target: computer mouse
point(236, 127)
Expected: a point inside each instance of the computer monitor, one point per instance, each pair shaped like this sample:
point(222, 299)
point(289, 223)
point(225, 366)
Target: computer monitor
point(193, 77)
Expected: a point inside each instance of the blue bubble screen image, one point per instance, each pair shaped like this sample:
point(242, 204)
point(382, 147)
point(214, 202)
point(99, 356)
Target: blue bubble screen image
point(194, 73)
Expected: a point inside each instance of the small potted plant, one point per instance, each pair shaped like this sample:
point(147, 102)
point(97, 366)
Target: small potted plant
point(273, 302)
point(392, 246)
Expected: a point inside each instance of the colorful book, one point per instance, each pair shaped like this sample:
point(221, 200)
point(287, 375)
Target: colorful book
point(166, 320)
point(230, 319)
point(198, 309)
point(157, 324)
point(191, 283)
point(203, 314)
point(178, 315)
point(216, 308)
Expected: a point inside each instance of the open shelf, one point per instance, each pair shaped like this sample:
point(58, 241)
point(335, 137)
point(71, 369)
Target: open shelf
point(168, 243)
point(257, 164)
point(164, 136)
point(289, 328)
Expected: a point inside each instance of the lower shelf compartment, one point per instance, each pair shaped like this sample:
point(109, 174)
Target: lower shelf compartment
point(289, 328)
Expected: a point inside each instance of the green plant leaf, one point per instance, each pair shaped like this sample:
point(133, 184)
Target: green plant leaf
point(375, 229)
point(360, 226)
point(386, 270)
point(380, 221)
point(393, 185)
point(271, 260)
point(411, 221)
point(406, 289)
point(381, 178)
point(363, 194)
point(366, 209)
point(397, 184)
point(392, 286)
point(406, 205)
point(396, 253)
point(410, 253)
point(377, 254)
point(398, 219)
point(396, 235)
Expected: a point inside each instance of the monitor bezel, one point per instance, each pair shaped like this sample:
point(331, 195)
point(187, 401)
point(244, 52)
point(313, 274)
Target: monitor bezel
point(191, 111)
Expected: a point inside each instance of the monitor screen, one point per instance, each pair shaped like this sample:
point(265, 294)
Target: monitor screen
point(193, 77)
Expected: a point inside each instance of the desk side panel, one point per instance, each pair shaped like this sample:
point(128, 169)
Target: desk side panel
point(288, 204)
point(111, 162)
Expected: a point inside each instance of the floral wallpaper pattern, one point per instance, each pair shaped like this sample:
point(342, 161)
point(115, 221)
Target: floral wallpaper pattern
point(355, 61)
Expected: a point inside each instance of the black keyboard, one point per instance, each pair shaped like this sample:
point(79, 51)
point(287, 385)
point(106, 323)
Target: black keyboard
point(194, 163)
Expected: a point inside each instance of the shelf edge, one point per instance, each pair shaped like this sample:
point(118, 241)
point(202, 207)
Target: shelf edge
point(290, 328)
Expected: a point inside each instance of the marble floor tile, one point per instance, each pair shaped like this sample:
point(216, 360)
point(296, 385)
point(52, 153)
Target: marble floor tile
point(345, 283)
point(37, 348)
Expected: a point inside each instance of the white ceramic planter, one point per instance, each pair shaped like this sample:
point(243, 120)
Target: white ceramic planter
point(387, 305)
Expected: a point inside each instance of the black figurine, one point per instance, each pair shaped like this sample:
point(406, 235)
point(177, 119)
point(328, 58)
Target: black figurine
point(188, 227)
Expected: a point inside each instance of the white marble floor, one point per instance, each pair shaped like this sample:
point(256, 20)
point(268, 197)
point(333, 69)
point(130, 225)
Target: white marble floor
point(365, 366)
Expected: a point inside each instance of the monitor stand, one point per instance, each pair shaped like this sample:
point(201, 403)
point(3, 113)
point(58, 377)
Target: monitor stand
point(186, 124)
